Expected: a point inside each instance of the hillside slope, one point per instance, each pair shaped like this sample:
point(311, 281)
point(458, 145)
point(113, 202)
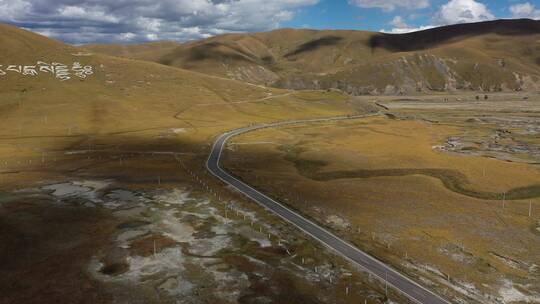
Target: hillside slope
point(501, 55)
point(55, 97)
point(152, 51)
point(48, 104)
point(103, 125)
point(114, 94)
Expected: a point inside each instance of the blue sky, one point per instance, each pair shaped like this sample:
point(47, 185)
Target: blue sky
point(128, 21)
point(340, 14)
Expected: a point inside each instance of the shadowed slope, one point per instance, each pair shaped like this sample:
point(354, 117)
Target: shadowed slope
point(315, 44)
point(501, 55)
point(431, 38)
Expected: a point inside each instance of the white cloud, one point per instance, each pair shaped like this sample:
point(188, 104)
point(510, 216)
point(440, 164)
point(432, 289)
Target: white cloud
point(454, 11)
point(83, 13)
point(401, 27)
point(12, 10)
point(82, 21)
point(398, 22)
point(391, 5)
point(405, 30)
point(127, 36)
point(462, 11)
point(525, 10)
point(152, 37)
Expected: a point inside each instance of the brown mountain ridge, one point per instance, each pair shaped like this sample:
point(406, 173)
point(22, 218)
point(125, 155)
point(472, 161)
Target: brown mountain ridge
point(500, 55)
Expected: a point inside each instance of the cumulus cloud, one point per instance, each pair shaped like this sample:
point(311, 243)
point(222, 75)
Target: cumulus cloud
point(10, 10)
point(462, 11)
point(453, 12)
point(391, 5)
point(83, 21)
point(84, 13)
point(525, 10)
point(401, 27)
point(398, 22)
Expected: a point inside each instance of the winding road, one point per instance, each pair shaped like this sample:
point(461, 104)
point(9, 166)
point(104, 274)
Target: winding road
point(400, 282)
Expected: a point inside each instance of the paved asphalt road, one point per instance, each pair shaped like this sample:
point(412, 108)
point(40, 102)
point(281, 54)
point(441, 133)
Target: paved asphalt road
point(400, 282)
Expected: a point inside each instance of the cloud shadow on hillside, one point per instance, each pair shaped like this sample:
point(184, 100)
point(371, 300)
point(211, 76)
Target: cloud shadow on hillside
point(433, 37)
point(315, 44)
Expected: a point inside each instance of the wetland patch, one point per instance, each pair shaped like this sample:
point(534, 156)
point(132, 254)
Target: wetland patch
point(452, 180)
point(180, 243)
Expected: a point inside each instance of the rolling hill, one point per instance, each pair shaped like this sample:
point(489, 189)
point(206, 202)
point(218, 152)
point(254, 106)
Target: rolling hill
point(152, 51)
point(501, 55)
point(55, 97)
point(118, 94)
point(67, 116)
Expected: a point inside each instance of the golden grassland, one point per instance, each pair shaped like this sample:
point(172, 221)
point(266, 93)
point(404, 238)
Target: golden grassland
point(131, 123)
point(378, 174)
point(137, 143)
point(125, 104)
point(42, 126)
point(151, 51)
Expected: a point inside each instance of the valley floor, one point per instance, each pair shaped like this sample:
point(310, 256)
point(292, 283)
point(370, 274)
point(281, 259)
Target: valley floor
point(445, 188)
point(129, 214)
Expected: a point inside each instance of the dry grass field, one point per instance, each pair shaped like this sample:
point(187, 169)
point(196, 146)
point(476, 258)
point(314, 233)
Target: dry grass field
point(104, 196)
point(455, 218)
point(125, 105)
point(101, 194)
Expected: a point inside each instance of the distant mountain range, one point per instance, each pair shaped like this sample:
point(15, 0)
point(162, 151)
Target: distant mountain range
point(501, 55)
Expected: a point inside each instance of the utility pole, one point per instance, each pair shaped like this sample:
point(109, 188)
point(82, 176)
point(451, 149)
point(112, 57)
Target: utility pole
point(530, 208)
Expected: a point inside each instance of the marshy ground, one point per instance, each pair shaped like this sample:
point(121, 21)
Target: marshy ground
point(125, 214)
point(97, 241)
point(456, 219)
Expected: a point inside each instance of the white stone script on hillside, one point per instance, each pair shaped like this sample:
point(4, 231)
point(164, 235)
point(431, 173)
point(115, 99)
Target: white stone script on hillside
point(58, 70)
